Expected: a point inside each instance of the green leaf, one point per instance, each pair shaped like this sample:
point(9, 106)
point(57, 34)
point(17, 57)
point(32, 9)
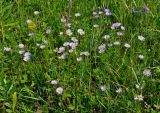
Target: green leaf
point(14, 97)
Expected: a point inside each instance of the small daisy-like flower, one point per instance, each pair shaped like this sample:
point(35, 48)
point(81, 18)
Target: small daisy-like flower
point(36, 13)
point(61, 33)
point(106, 37)
point(100, 12)
point(30, 34)
point(115, 25)
point(21, 52)
point(138, 86)
point(63, 20)
point(45, 42)
point(94, 13)
point(141, 38)
point(141, 57)
point(96, 26)
point(138, 97)
point(61, 49)
point(79, 59)
point(73, 45)
point(96, 16)
point(102, 48)
point(7, 49)
point(71, 51)
point(77, 14)
point(21, 46)
point(54, 82)
point(117, 43)
point(29, 22)
point(108, 12)
point(37, 44)
point(119, 90)
point(66, 44)
point(127, 45)
point(26, 58)
point(110, 44)
point(122, 28)
point(48, 31)
point(27, 54)
point(59, 90)
point(147, 72)
point(69, 32)
point(74, 39)
point(68, 25)
point(42, 46)
point(120, 33)
point(81, 31)
point(103, 88)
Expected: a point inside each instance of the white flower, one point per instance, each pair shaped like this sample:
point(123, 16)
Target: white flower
point(21, 46)
point(48, 31)
point(36, 13)
point(141, 57)
point(77, 14)
point(116, 43)
point(71, 51)
point(127, 45)
point(61, 49)
point(7, 49)
point(122, 27)
point(79, 59)
point(138, 86)
point(147, 72)
point(26, 58)
point(45, 42)
point(103, 88)
point(74, 39)
point(100, 12)
point(119, 90)
point(106, 37)
point(110, 44)
point(63, 20)
point(94, 13)
point(68, 25)
point(54, 82)
point(138, 97)
point(66, 44)
point(69, 32)
point(21, 51)
point(120, 33)
point(27, 54)
point(141, 38)
point(30, 34)
point(96, 26)
point(59, 90)
point(42, 46)
point(81, 31)
point(29, 21)
point(61, 33)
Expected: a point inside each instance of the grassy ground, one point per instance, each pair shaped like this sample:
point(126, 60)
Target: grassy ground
point(89, 85)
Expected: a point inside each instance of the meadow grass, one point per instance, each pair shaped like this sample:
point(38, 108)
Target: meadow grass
point(108, 78)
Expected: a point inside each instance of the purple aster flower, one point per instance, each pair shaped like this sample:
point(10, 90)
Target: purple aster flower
point(144, 9)
point(108, 12)
point(133, 10)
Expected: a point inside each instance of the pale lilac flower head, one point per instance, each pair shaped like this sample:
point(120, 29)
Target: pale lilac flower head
point(108, 12)
point(27, 54)
point(26, 58)
point(141, 38)
point(81, 31)
point(106, 37)
point(119, 90)
point(21, 45)
point(66, 44)
point(48, 31)
point(54, 82)
point(147, 72)
point(59, 90)
point(144, 9)
point(7, 49)
point(115, 25)
point(116, 43)
point(120, 33)
point(103, 88)
point(61, 49)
